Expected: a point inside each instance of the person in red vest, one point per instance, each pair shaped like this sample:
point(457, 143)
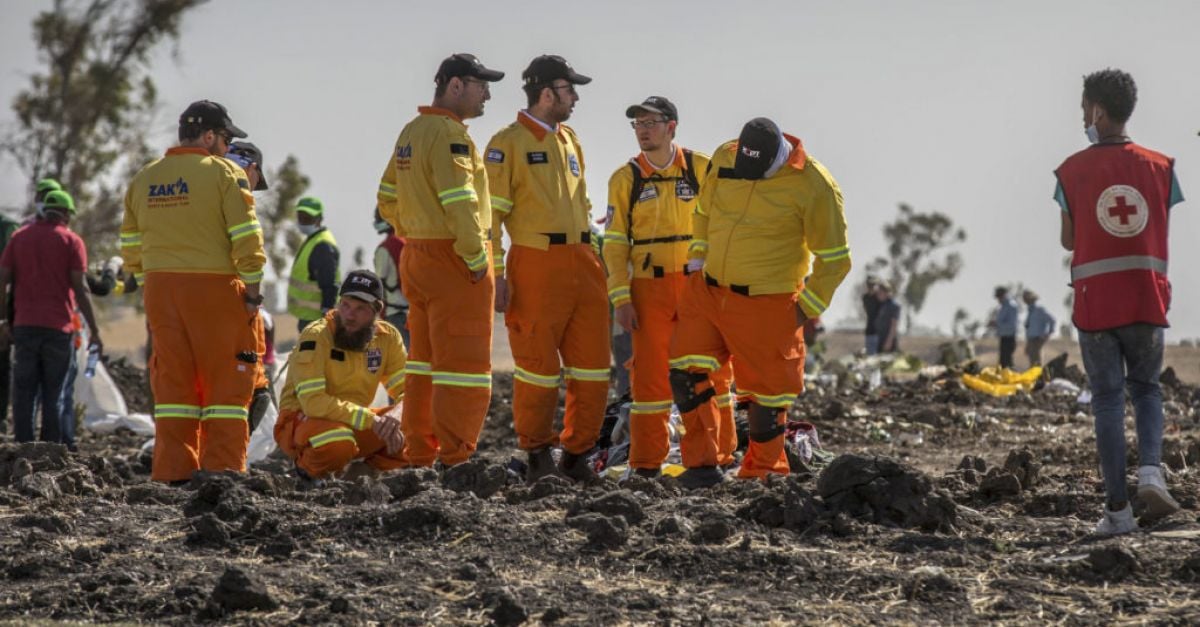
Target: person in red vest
point(1116, 198)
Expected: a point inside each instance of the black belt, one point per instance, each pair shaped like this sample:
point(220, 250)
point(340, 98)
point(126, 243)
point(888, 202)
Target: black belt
point(744, 290)
point(561, 238)
point(660, 272)
point(663, 240)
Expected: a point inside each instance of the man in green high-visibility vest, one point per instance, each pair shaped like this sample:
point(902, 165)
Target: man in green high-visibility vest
point(313, 287)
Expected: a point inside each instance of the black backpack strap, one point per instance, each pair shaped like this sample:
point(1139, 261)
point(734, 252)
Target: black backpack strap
point(634, 193)
point(690, 174)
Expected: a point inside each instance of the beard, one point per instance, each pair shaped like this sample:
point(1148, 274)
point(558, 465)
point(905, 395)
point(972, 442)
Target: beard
point(351, 341)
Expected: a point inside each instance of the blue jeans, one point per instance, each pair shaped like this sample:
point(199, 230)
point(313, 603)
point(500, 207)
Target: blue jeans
point(41, 359)
point(400, 321)
point(871, 343)
point(1127, 356)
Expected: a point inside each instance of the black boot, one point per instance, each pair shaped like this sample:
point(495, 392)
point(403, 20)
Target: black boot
point(647, 473)
point(577, 468)
point(259, 403)
point(701, 477)
point(306, 481)
point(541, 464)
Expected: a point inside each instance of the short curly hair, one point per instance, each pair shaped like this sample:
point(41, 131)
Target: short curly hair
point(1112, 89)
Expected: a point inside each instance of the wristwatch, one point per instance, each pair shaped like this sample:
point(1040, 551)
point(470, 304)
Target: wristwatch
point(253, 300)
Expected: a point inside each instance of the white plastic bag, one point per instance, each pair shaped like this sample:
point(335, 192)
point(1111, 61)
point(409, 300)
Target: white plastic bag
point(262, 441)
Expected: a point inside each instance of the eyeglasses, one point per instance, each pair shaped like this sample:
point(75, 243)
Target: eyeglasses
point(646, 124)
point(225, 136)
point(569, 87)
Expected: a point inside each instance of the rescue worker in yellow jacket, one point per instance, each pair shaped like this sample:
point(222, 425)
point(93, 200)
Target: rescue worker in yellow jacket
point(766, 210)
point(434, 192)
point(552, 292)
point(313, 284)
point(325, 418)
point(648, 229)
point(191, 238)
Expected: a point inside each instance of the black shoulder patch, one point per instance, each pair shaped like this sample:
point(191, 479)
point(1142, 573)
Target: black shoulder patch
point(243, 183)
point(536, 157)
point(460, 149)
point(308, 345)
point(337, 355)
point(727, 173)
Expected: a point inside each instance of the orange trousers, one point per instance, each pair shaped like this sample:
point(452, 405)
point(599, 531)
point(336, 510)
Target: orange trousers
point(199, 327)
point(322, 447)
point(260, 347)
point(760, 335)
point(558, 309)
point(656, 302)
point(449, 372)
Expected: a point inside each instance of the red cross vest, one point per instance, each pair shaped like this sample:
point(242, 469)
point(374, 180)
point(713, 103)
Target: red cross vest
point(1118, 196)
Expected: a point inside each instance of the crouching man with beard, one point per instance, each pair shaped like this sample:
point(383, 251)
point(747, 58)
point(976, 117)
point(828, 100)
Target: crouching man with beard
point(325, 419)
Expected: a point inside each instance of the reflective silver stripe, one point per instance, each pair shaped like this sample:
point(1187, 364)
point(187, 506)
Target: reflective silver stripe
point(1118, 264)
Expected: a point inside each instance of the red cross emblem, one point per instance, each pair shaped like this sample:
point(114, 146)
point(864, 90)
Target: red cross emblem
point(1122, 210)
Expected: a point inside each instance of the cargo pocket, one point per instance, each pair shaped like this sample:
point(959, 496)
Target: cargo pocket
point(522, 342)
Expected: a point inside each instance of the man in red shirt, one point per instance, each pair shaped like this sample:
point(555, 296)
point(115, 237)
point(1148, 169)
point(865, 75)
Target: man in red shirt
point(45, 262)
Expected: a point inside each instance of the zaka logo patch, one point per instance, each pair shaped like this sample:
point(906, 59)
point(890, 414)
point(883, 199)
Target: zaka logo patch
point(753, 154)
point(573, 163)
point(178, 188)
point(404, 157)
point(374, 359)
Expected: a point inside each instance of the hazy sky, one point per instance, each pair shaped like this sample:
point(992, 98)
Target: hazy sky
point(959, 107)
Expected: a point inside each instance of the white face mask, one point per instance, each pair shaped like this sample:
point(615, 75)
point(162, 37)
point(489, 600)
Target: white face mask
point(1093, 134)
point(307, 229)
point(381, 226)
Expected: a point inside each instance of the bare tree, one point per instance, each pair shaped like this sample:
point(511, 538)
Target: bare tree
point(280, 236)
point(84, 117)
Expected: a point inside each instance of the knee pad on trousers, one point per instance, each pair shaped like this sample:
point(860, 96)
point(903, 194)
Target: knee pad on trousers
point(764, 424)
point(683, 388)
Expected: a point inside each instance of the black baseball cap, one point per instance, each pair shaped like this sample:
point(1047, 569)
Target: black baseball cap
point(245, 153)
point(464, 64)
point(363, 285)
point(654, 104)
point(209, 115)
point(757, 146)
point(550, 67)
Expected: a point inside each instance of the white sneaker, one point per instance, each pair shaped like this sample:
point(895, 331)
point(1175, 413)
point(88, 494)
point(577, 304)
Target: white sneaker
point(1152, 490)
point(1117, 523)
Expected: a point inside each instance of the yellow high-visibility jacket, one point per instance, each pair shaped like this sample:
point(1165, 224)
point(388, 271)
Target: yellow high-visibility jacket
point(435, 186)
point(536, 179)
point(333, 384)
point(191, 212)
point(762, 235)
point(655, 234)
